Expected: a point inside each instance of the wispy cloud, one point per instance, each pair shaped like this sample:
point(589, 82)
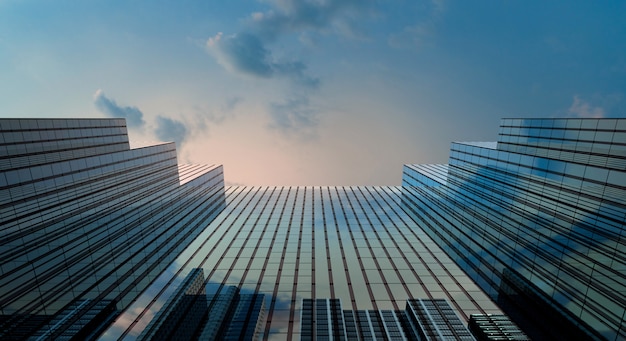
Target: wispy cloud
point(294, 115)
point(288, 16)
point(248, 52)
point(245, 53)
point(205, 115)
point(232, 103)
point(168, 129)
point(581, 108)
point(241, 52)
point(133, 116)
point(415, 35)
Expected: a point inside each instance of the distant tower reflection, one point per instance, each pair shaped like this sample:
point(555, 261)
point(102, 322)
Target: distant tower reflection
point(191, 314)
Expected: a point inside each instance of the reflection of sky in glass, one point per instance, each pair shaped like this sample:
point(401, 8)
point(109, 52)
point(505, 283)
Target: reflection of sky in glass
point(548, 203)
point(86, 219)
point(351, 243)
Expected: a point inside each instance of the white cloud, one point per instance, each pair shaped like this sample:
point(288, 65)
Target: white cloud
point(584, 109)
point(295, 114)
point(252, 51)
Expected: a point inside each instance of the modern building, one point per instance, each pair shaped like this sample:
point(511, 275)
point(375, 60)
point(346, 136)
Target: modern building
point(422, 319)
point(191, 314)
point(182, 315)
point(291, 244)
point(495, 327)
point(100, 240)
point(435, 320)
point(86, 223)
point(537, 220)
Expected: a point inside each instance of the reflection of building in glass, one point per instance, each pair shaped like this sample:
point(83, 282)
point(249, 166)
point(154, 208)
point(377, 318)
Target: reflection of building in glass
point(81, 320)
point(537, 220)
point(244, 318)
point(435, 320)
point(495, 327)
point(86, 223)
point(181, 316)
point(355, 244)
point(92, 231)
point(422, 319)
point(189, 314)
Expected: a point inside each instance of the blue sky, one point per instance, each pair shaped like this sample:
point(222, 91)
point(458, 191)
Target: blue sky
point(320, 92)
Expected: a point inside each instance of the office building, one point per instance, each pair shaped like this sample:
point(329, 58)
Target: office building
point(86, 223)
point(97, 236)
point(495, 327)
point(181, 316)
point(292, 244)
point(435, 320)
point(189, 314)
point(537, 220)
point(422, 319)
point(100, 240)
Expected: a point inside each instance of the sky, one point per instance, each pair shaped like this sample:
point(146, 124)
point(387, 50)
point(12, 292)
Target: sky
point(318, 92)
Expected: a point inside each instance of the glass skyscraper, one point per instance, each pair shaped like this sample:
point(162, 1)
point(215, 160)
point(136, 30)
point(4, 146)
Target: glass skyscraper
point(292, 244)
point(102, 241)
point(86, 223)
point(537, 221)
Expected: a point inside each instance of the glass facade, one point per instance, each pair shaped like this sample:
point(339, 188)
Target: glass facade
point(495, 327)
point(537, 220)
point(422, 319)
point(435, 320)
point(182, 315)
point(86, 223)
point(191, 314)
point(353, 244)
point(98, 240)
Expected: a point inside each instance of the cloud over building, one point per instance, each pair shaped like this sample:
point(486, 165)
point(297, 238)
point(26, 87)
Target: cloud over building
point(108, 106)
point(168, 129)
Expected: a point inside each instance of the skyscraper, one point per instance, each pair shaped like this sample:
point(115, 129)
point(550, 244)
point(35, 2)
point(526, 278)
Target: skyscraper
point(86, 223)
point(354, 244)
point(537, 220)
point(100, 240)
